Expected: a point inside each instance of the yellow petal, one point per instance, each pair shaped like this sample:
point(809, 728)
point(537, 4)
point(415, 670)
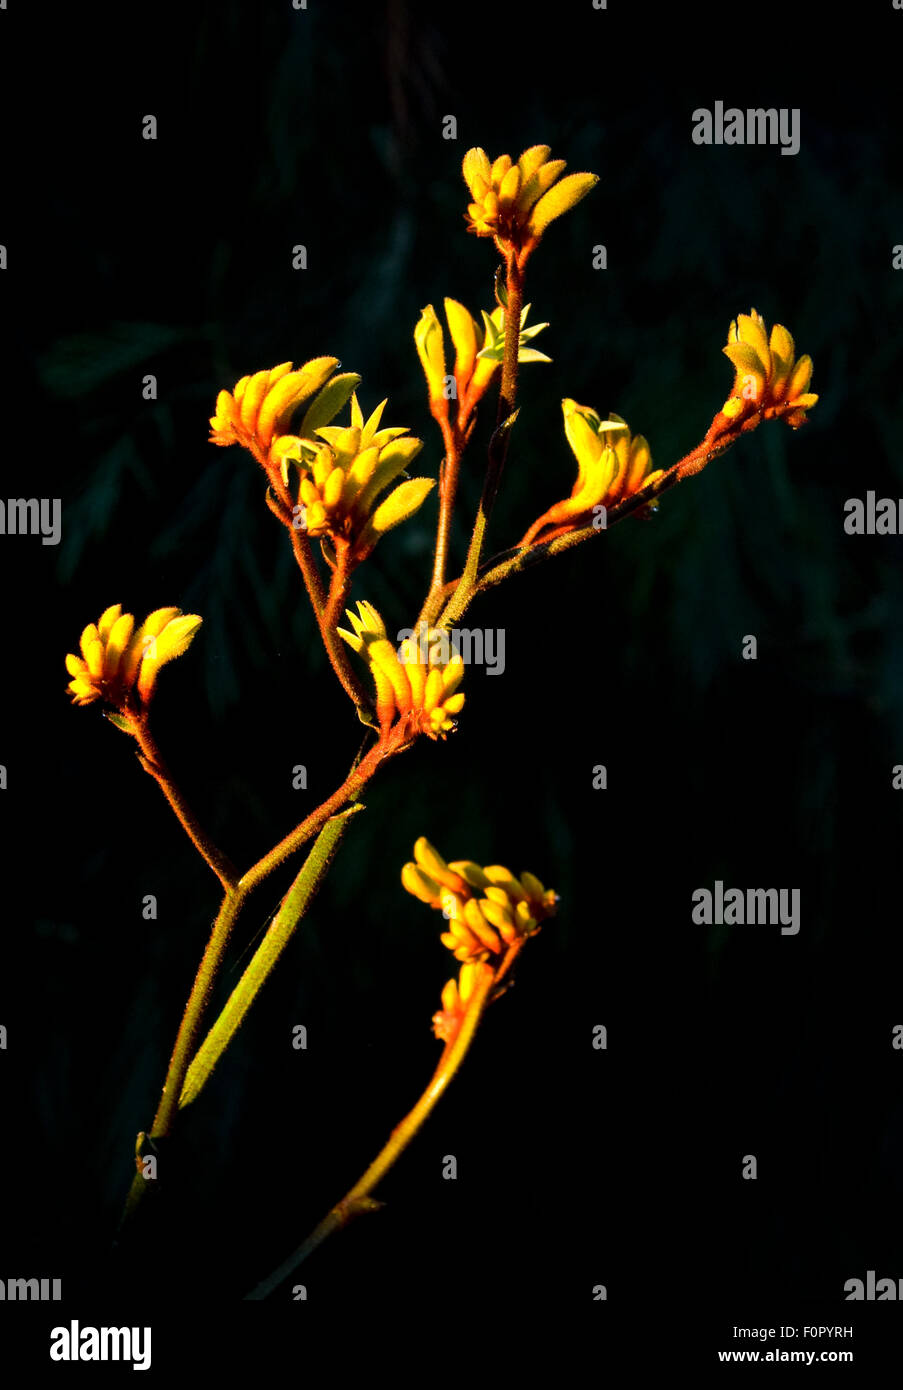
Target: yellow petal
point(154, 624)
point(420, 884)
point(800, 378)
point(394, 458)
point(470, 872)
point(332, 491)
point(328, 402)
point(585, 442)
point(476, 165)
point(282, 402)
point(107, 619)
point(89, 635)
point(560, 198)
point(430, 344)
point(751, 330)
point(640, 459)
point(433, 690)
point(748, 364)
point(450, 996)
point(118, 640)
point(369, 430)
point(94, 658)
point(532, 887)
point(509, 188)
point(480, 927)
point(176, 637)
point(402, 503)
point(499, 915)
point(382, 655)
point(467, 338)
point(782, 343)
point(531, 159)
point(252, 400)
point(84, 689)
point(499, 169)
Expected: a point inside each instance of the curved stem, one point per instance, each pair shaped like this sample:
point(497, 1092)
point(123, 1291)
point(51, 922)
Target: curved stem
point(211, 960)
point(523, 557)
point(152, 761)
point(359, 1199)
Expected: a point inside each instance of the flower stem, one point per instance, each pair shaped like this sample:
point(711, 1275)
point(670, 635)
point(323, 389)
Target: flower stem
point(506, 563)
point(448, 486)
point(232, 904)
point(327, 611)
point(292, 909)
point(152, 761)
point(498, 447)
point(359, 1199)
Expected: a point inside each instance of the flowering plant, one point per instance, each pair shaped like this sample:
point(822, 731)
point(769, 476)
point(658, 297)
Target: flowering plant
point(337, 486)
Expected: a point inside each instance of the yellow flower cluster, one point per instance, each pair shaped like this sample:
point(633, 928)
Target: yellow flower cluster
point(768, 373)
point(417, 684)
point(119, 662)
point(342, 477)
point(514, 203)
point(343, 469)
point(487, 909)
point(611, 466)
point(478, 353)
point(260, 407)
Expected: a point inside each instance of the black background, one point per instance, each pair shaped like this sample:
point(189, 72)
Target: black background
point(576, 1167)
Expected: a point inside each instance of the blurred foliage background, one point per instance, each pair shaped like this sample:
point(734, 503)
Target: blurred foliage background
point(324, 127)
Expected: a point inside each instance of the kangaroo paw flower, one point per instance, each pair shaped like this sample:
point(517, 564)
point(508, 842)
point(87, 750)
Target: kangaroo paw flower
point(416, 686)
point(611, 466)
point(769, 379)
point(488, 910)
point(259, 408)
point(119, 663)
point(344, 472)
point(479, 351)
point(514, 203)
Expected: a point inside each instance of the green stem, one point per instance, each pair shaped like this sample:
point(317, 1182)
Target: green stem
point(232, 904)
point(293, 907)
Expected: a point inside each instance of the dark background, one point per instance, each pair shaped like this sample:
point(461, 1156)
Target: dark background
point(174, 257)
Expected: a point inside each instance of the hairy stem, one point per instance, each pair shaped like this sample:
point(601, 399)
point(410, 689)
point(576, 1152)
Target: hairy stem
point(359, 1199)
point(152, 761)
point(498, 448)
point(211, 961)
point(263, 962)
point(519, 558)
